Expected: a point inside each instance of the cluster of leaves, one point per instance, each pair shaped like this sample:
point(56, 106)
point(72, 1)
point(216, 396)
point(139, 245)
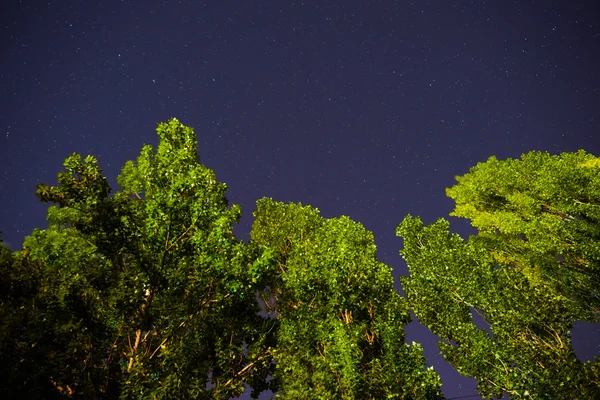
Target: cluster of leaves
point(143, 294)
point(148, 294)
point(341, 321)
point(530, 272)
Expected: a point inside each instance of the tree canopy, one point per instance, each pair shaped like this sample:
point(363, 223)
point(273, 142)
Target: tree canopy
point(340, 319)
point(530, 272)
point(143, 294)
point(147, 293)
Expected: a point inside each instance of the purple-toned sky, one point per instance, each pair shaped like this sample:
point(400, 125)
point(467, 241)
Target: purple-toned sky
point(362, 108)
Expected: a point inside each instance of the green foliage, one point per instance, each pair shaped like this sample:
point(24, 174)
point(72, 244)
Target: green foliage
point(148, 294)
point(143, 294)
point(530, 272)
point(340, 320)
point(542, 215)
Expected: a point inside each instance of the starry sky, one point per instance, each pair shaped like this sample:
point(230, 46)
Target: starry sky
point(360, 108)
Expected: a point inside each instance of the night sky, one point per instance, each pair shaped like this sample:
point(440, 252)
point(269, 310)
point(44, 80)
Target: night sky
point(360, 108)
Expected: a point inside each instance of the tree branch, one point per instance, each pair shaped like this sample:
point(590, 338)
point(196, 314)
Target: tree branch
point(177, 240)
point(138, 335)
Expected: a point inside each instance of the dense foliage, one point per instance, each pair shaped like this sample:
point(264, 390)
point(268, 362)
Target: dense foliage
point(341, 321)
point(148, 294)
point(530, 272)
point(145, 294)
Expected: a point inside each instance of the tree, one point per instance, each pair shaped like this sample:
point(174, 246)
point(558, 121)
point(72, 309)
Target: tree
point(530, 272)
point(340, 321)
point(143, 294)
point(20, 364)
point(147, 293)
point(542, 215)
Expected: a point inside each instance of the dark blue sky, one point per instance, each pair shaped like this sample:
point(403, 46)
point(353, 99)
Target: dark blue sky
point(362, 108)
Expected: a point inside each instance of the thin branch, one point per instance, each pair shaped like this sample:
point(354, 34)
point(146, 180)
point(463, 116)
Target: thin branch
point(138, 335)
point(246, 368)
point(176, 240)
point(159, 346)
point(167, 247)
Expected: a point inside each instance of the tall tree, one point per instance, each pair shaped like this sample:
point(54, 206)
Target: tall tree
point(530, 272)
point(145, 294)
point(20, 366)
point(340, 332)
point(540, 214)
